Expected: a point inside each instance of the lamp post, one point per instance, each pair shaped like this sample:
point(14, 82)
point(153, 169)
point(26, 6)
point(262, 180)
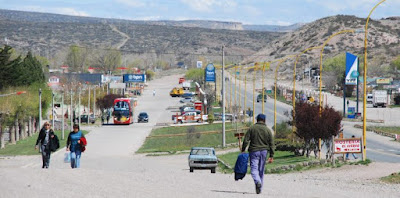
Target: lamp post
point(320, 64)
point(40, 107)
point(254, 92)
point(276, 84)
point(52, 109)
point(223, 98)
point(365, 84)
point(62, 114)
point(294, 84)
point(320, 78)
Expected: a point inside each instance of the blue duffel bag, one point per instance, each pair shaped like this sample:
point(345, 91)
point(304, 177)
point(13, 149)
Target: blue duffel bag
point(241, 166)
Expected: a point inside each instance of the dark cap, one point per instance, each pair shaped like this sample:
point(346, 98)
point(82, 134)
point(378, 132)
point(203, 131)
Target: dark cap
point(260, 117)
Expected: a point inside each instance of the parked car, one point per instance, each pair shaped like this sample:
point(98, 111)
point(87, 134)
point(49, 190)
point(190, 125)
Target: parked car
point(187, 109)
point(187, 95)
point(218, 116)
point(143, 117)
point(259, 97)
point(202, 158)
point(87, 119)
point(186, 100)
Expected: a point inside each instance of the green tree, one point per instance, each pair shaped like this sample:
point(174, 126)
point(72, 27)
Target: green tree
point(196, 75)
point(76, 58)
point(108, 60)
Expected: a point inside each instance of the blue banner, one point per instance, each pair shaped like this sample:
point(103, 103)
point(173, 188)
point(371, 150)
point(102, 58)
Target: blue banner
point(210, 73)
point(129, 78)
point(351, 69)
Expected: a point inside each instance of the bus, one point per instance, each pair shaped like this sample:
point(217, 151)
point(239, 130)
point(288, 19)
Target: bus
point(123, 110)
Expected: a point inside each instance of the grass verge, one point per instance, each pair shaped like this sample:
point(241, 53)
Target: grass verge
point(393, 178)
point(192, 138)
point(386, 129)
point(27, 145)
point(281, 158)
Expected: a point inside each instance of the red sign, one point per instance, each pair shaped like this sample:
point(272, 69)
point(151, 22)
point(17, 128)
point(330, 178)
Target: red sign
point(350, 145)
point(198, 105)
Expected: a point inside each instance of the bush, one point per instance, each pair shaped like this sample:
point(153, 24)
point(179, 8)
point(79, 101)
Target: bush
point(210, 117)
point(283, 131)
point(288, 145)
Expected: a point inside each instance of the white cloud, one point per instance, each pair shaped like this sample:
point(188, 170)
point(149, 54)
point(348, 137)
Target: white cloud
point(341, 5)
point(66, 11)
point(210, 5)
point(132, 3)
point(277, 22)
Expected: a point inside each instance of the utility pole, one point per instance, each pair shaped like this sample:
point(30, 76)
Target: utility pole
point(94, 101)
point(52, 109)
point(62, 114)
point(223, 98)
point(71, 114)
point(40, 108)
point(88, 104)
point(79, 106)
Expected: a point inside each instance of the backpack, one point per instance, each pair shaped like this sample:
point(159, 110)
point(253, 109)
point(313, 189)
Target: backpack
point(54, 143)
point(83, 144)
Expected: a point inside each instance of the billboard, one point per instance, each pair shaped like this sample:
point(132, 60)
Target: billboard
point(134, 78)
point(384, 81)
point(199, 64)
point(210, 73)
point(351, 69)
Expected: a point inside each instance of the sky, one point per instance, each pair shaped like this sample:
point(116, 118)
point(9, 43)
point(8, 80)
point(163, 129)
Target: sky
point(252, 12)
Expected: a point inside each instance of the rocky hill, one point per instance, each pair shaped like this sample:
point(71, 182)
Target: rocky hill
point(383, 42)
point(50, 35)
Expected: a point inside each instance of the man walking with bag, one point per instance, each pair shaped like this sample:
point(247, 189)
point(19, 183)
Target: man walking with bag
point(260, 141)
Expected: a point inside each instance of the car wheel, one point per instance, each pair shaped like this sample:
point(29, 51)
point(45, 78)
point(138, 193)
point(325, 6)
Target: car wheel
point(212, 170)
point(191, 169)
point(180, 122)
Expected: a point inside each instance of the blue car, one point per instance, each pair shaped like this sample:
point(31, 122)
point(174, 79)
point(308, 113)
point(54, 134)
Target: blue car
point(203, 158)
point(143, 117)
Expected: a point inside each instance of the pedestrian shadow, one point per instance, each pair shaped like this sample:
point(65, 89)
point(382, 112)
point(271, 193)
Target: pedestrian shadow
point(229, 191)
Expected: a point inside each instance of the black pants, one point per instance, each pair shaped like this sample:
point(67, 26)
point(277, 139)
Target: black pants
point(45, 156)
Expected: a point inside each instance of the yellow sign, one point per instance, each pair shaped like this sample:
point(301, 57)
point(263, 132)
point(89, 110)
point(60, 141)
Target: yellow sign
point(383, 81)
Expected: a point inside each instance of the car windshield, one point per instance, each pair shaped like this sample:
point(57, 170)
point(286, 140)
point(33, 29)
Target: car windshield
point(143, 114)
point(201, 152)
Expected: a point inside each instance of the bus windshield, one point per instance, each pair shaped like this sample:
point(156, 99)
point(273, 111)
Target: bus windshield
point(121, 105)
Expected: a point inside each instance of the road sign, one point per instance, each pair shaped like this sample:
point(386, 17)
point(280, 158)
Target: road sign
point(351, 69)
point(350, 145)
point(199, 64)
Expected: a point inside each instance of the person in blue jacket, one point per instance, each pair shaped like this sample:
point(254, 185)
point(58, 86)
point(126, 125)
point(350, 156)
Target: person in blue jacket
point(73, 145)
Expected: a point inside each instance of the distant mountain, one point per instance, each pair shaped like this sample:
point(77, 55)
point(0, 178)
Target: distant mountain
point(273, 28)
point(50, 35)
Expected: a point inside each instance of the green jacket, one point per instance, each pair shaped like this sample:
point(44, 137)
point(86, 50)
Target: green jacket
point(260, 138)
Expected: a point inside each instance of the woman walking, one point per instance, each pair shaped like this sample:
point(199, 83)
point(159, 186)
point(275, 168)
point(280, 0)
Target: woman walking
point(74, 145)
point(44, 138)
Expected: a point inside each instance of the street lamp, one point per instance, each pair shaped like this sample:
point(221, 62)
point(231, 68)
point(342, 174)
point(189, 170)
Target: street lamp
point(294, 84)
point(320, 78)
point(365, 84)
point(320, 64)
point(276, 79)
